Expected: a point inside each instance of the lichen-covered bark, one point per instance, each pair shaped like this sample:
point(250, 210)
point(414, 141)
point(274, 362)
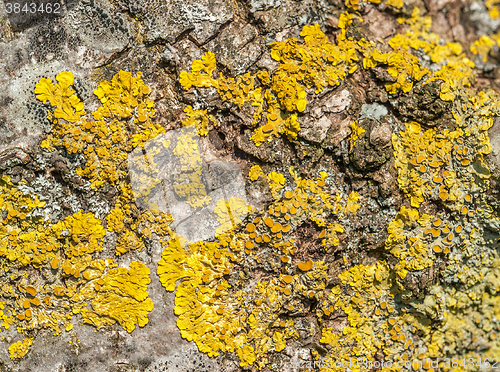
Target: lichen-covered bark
point(250, 185)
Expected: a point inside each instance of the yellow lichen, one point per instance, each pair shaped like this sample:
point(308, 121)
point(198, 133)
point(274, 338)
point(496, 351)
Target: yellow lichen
point(492, 6)
point(352, 202)
point(81, 234)
point(330, 235)
point(65, 252)
point(115, 220)
point(394, 311)
point(230, 213)
point(121, 297)
point(398, 4)
point(128, 241)
point(276, 183)
point(315, 63)
point(107, 138)
point(188, 183)
point(427, 166)
point(407, 242)
point(368, 301)
point(19, 349)
point(356, 132)
point(220, 317)
point(403, 66)
point(61, 96)
point(201, 73)
point(199, 118)
point(455, 70)
point(67, 248)
point(482, 47)
point(121, 123)
point(255, 172)
point(277, 122)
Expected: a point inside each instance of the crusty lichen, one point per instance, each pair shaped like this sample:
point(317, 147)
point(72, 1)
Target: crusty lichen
point(492, 6)
point(72, 279)
point(230, 213)
point(105, 140)
point(200, 119)
point(122, 123)
point(356, 132)
point(19, 349)
point(188, 182)
point(444, 166)
point(455, 70)
point(406, 241)
point(219, 307)
point(121, 297)
point(64, 255)
point(434, 293)
point(315, 63)
point(482, 46)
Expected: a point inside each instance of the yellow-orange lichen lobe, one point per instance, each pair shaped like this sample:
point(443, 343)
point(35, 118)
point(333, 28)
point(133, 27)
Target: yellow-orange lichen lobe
point(61, 96)
point(356, 132)
point(200, 119)
point(255, 172)
point(482, 46)
point(201, 72)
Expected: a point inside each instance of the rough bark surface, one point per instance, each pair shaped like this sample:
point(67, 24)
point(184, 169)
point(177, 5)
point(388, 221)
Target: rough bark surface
point(337, 185)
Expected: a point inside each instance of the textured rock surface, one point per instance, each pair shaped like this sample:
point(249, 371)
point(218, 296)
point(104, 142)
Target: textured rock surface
point(369, 198)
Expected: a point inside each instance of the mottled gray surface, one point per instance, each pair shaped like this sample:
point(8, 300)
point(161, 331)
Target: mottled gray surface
point(94, 39)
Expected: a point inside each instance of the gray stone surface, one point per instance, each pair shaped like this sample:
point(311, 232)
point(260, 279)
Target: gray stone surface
point(98, 26)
